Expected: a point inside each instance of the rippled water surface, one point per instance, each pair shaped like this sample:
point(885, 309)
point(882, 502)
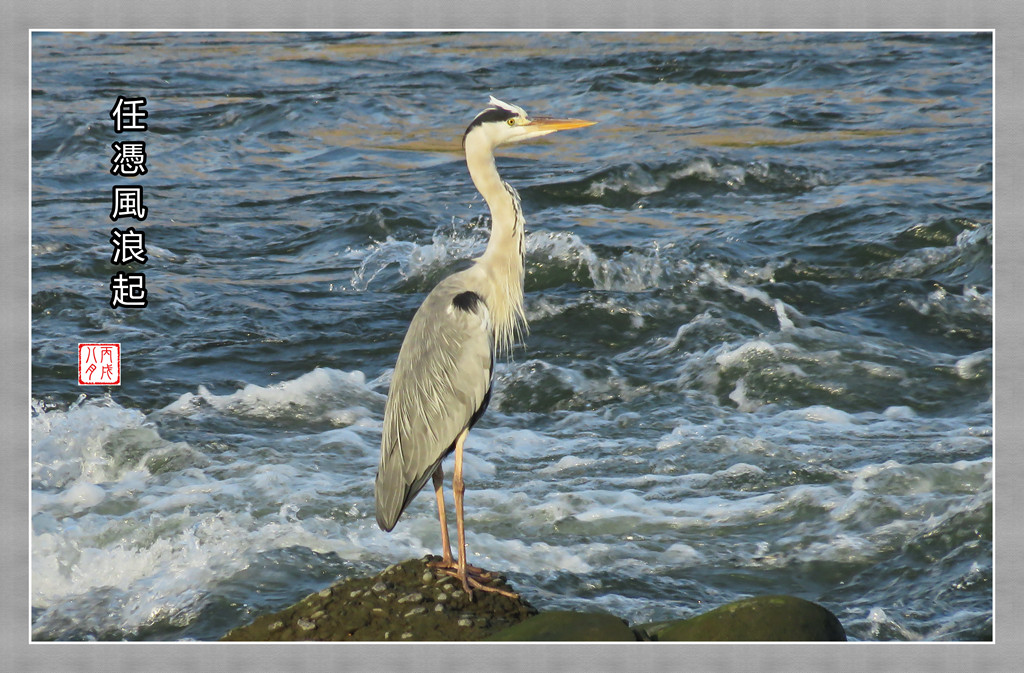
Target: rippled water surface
point(760, 305)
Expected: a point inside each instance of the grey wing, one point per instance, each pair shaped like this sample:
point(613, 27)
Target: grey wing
point(440, 387)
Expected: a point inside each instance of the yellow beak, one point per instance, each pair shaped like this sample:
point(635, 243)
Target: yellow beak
point(549, 124)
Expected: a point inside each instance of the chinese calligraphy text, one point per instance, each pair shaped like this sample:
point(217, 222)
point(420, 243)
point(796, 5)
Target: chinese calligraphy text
point(129, 160)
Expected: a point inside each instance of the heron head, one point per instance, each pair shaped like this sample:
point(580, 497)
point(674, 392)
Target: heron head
point(503, 123)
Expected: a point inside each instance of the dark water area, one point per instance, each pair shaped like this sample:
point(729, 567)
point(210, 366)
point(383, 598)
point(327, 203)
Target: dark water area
point(760, 303)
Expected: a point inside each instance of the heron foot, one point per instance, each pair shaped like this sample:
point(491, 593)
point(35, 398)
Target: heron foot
point(469, 581)
point(474, 578)
point(451, 567)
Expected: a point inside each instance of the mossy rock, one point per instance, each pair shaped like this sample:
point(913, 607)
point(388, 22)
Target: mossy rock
point(412, 601)
point(762, 618)
point(566, 625)
point(407, 601)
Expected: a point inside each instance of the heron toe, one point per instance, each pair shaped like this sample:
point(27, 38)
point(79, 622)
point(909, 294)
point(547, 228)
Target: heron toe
point(473, 578)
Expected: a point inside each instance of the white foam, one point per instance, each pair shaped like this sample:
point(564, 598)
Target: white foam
point(882, 371)
point(680, 554)
point(567, 463)
point(514, 443)
point(171, 536)
point(413, 260)
point(161, 559)
point(739, 396)
point(532, 557)
point(744, 353)
point(879, 621)
point(684, 432)
point(783, 311)
point(741, 470)
point(314, 393)
point(974, 365)
point(83, 495)
point(96, 441)
point(635, 271)
point(900, 413)
point(821, 413)
point(635, 180)
point(699, 321)
point(537, 379)
point(477, 467)
point(171, 569)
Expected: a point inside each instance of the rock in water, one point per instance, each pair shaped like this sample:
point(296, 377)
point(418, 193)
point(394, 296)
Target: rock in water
point(564, 625)
point(407, 601)
point(762, 618)
point(412, 602)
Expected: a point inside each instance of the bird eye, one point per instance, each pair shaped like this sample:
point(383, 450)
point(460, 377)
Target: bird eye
point(512, 121)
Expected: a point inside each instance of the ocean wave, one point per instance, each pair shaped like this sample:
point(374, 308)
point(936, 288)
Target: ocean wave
point(630, 185)
point(553, 258)
point(130, 530)
point(631, 270)
point(96, 441)
point(322, 394)
point(394, 264)
point(537, 385)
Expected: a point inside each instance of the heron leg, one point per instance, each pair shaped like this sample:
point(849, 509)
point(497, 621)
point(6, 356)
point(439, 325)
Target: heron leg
point(471, 576)
point(447, 562)
point(446, 546)
point(459, 488)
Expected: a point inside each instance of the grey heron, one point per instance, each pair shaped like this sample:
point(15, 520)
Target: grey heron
point(442, 379)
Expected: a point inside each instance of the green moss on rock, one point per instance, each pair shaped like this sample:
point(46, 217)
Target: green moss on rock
point(564, 625)
point(762, 618)
point(407, 601)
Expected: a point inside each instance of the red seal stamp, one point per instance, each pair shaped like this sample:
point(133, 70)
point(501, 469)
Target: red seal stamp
point(99, 364)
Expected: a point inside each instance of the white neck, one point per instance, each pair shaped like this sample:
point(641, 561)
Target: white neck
point(503, 259)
